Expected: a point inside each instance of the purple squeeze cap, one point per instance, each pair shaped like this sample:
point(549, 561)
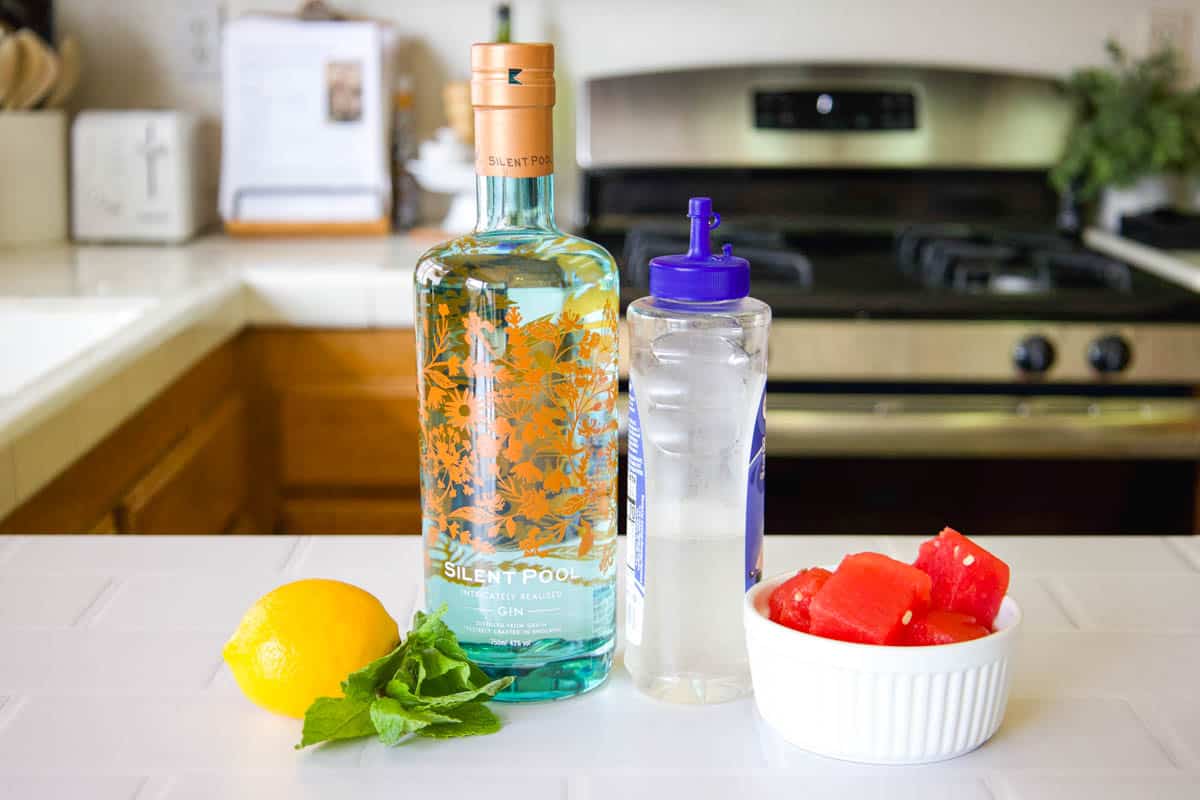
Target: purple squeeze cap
point(698, 276)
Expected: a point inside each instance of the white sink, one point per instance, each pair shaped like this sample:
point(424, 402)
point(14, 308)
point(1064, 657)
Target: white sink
point(38, 335)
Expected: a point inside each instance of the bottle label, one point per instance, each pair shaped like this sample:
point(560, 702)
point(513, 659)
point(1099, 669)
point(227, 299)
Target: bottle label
point(518, 466)
point(755, 491)
point(514, 142)
point(635, 514)
point(635, 526)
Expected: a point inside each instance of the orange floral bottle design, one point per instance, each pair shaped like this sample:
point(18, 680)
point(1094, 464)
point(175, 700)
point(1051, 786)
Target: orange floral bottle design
point(517, 355)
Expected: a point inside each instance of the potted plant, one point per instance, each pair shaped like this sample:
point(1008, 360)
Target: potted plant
point(1135, 143)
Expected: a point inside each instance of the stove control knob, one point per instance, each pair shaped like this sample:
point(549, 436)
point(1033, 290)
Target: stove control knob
point(1109, 354)
point(1034, 354)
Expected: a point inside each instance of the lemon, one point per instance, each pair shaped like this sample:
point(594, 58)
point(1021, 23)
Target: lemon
point(300, 641)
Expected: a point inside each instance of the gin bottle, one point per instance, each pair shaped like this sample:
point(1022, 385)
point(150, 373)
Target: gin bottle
point(517, 359)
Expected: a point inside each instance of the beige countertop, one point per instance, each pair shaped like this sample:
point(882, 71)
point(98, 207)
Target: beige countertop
point(1177, 266)
point(89, 334)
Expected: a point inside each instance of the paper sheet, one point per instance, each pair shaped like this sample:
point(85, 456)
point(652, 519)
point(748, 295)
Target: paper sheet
point(305, 121)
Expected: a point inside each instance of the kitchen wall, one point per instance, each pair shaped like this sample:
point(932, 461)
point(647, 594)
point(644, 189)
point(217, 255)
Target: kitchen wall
point(133, 51)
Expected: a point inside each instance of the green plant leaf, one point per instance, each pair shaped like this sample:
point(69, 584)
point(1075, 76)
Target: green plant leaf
point(365, 683)
point(400, 691)
point(426, 683)
point(443, 674)
point(332, 718)
point(394, 721)
point(1133, 119)
point(429, 628)
point(473, 719)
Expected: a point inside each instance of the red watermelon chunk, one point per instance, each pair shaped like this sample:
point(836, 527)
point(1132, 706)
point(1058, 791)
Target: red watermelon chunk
point(870, 599)
point(789, 602)
point(966, 578)
point(942, 627)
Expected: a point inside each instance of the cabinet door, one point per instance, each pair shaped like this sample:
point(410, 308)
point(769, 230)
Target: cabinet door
point(91, 488)
point(349, 436)
point(105, 526)
point(351, 515)
point(200, 486)
point(339, 413)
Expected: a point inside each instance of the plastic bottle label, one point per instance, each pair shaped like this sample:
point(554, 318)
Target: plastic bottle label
point(635, 527)
point(755, 491)
point(635, 514)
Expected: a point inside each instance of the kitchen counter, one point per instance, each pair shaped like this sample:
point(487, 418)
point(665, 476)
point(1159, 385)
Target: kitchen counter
point(89, 334)
point(112, 686)
point(1177, 266)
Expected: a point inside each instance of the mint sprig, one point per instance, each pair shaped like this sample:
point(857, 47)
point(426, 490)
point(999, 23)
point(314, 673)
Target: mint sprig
point(427, 686)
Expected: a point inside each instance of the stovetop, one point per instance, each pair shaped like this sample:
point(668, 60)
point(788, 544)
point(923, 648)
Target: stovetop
point(926, 271)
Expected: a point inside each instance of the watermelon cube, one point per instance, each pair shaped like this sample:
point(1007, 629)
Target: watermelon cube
point(789, 602)
point(869, 599)
point(942, 627)
point(966, 577)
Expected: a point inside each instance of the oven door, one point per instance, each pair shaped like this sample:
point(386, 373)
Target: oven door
point(911, 463)
point(983, 426)
point(1008, 465)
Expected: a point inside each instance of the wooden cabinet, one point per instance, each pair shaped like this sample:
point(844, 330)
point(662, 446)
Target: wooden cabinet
point(357, 436)
point(321, 515)
point(200, 485)
point(88, 494)
point(107, 525)
point(279, 430)
point(342, 406)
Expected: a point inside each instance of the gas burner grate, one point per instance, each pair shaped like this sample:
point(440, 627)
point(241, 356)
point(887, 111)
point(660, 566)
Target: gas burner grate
point(1080, 269)
point(958, 259)
point(770, 260)
point(965, 266)
point(912, 242)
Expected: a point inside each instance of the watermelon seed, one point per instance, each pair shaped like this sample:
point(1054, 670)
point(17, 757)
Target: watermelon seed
point(907, 618)
point(968, 561)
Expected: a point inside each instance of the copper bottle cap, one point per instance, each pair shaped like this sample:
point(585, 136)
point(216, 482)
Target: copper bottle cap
point(512, 90)
point(512, 75)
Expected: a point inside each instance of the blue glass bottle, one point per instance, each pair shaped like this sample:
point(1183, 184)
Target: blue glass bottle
point(517, 360)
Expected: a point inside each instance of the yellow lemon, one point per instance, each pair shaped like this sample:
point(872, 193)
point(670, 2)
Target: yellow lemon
point(298, 643)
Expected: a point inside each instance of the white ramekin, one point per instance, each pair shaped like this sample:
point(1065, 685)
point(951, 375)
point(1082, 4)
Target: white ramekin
point(876, 704)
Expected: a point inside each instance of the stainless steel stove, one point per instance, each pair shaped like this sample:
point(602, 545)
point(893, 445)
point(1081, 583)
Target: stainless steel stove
point(929, 311)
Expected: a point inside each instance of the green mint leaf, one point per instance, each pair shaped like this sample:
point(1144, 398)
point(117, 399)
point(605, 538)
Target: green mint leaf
point(330, 718)
point(400, 691)
point(397, 689)
point(365, 683)
point(430, 633)
point(479, 678)
point(394, 722)
point(447, 644)
point(474, 719)
point(411, 670)
point(427, 685)
point(429, 628)
point(443, 674)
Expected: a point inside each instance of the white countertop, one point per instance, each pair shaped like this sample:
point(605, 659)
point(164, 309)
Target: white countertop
point(1177, 266)
point(186, 301)
point(112, 686)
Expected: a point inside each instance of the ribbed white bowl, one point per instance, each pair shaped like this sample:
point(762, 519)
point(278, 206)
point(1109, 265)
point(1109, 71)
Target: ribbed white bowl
point(876, 704)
